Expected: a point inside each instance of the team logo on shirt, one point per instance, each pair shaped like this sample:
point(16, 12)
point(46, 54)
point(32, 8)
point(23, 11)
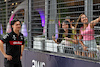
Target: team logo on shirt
point(15, 42)
point(5, 36)
point(14, 37)
point(21, 37)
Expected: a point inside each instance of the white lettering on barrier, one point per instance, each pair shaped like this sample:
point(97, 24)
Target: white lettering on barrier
point(37, 64)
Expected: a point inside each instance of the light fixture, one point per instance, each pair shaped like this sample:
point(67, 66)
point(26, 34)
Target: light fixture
point(5, 0)
point(12, 3)
point(16, 3)
point(1, 32)
point(11, 11)
point(42, 15)
point(56, 31)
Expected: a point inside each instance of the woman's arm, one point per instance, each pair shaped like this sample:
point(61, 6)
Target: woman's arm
point(75, 40)
point(94, 22)
point(74, 36)
point(72, 25)
point(80, 41)
point(72, 40)
point(53, 38)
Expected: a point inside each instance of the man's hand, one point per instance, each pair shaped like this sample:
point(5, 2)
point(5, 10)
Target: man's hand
point(20, 57)
point(9, 57)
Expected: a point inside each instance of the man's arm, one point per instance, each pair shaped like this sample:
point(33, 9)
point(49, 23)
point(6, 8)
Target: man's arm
point(2, 48)
point(22, 49)
point(9, 57)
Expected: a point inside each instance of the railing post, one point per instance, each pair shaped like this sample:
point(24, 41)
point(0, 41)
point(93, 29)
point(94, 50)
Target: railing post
point(29, 25)
point(46, 17)
point(89, 9)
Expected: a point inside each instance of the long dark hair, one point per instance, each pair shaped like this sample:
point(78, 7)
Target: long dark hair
point(79, 24)
point(61, 32)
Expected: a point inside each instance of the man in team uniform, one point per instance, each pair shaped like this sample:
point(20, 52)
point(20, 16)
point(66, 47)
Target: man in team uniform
point(14, 46)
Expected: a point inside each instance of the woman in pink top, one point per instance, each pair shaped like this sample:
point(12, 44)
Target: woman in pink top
point(86, 35)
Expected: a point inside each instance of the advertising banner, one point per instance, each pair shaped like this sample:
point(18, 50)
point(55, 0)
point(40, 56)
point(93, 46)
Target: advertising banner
point(41, 59)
